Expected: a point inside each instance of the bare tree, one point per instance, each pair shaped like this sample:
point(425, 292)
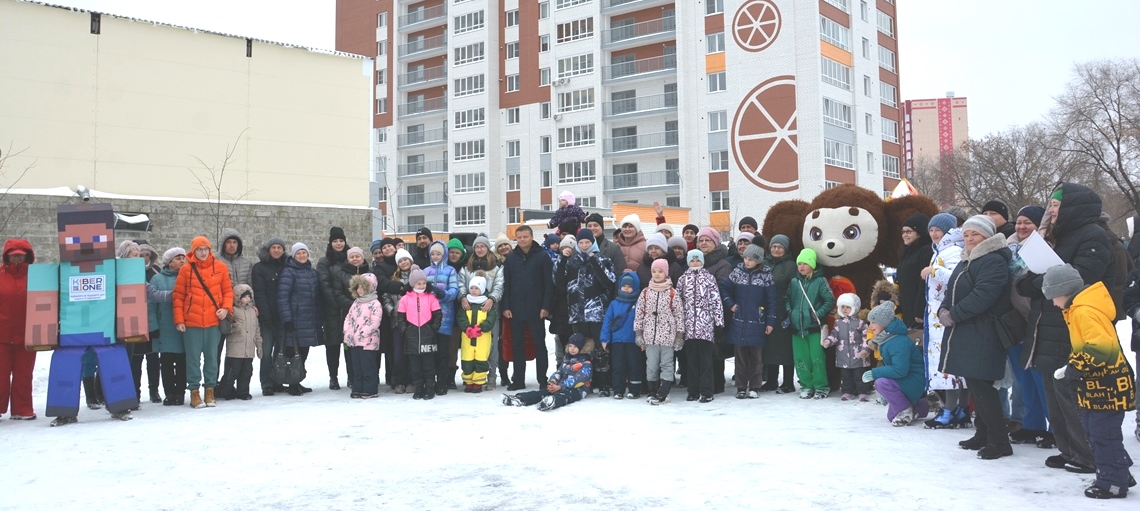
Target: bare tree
point(1019, 167)
point(11, 208)
point(211, 184)
point(1097, 120)
point(933, 177)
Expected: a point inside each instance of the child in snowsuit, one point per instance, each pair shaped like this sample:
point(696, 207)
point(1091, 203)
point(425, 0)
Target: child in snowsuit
point(626, 360)
point(418, 317)
point(362, 336)
point(901, 380)
point(1098, 360)
point(476, 326)
point(809, 300)
point(570, 383)
point(567, 212)
point(704, 312)
point(659, 322)
point(241, 345)
point(443, 282)
point(849, 338)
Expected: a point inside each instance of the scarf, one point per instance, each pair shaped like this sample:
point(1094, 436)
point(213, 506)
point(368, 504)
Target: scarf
point(664, 286)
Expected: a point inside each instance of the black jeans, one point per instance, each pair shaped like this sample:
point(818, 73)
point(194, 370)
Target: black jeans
point(537, 329)
point(173, 374)
point(700, 366)
point(988, 422)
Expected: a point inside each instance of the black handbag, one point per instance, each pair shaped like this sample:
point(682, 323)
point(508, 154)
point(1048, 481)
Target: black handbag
point(1010, 328)
point(225, 326)
point(288, 370)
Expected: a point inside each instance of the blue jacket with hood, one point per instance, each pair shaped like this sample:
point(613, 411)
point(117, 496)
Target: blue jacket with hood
point(618, 323)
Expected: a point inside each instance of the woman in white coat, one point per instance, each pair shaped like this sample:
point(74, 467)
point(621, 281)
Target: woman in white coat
point(948, 243)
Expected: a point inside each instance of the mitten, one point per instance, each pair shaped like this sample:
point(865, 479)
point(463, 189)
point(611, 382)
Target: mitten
point(1059, 374)
point(867, 378)
point(437, 292)
point(787, 322)
point(944, 317)
point(825, 342)
point(476, 332)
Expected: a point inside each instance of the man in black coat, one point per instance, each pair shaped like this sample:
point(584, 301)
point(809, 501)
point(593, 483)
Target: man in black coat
point(420, 255)
point(528, 296)
point(999, 213)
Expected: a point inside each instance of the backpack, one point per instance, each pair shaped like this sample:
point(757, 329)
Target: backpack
point(645, 292)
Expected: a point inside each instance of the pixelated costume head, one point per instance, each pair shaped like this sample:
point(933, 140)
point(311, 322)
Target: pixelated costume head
point(86, 232)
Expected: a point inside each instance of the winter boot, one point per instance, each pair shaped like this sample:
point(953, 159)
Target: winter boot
point(662, 395)
point(962, 418)
point(295, 390)
point(441, 387)
point(154, 397)
point(904, 418)
point(92, 395)
point(419, 392)
point(196, 399)
point(1047, 442)
point(973, 443)
point(509, 400)
point(124, 415)
point(451, 381)
point(63, 421)
point(209, 402)
point(944, 420)
point(993, 452)
point(547, 404)
point(334, 384)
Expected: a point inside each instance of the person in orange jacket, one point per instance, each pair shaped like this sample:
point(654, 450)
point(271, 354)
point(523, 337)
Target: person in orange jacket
point(203, 297)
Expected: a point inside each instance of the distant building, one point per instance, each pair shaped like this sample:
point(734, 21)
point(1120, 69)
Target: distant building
point(934, 129)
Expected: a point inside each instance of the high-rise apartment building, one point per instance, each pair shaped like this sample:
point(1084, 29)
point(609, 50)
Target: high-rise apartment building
point(485, 108)
point(933, 130)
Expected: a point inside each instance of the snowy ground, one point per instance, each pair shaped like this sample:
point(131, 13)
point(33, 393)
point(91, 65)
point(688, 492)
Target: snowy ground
point(326, 451)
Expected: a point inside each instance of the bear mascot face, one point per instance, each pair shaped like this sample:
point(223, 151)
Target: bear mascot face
point(851, 229)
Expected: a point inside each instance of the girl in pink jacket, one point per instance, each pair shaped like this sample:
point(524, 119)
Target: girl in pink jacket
point(362, 336)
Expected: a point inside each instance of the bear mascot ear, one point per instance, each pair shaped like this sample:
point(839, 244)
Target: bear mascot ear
point(787, 218)
point(898, 211)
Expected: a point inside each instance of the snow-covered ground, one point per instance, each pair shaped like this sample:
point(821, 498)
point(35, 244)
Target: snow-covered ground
point(460, 451)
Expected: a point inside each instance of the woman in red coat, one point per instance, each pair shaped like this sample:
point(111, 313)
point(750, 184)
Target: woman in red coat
point(16, 362)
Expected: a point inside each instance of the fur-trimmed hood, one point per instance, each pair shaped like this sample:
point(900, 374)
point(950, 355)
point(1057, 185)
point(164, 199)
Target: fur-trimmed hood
point(240, 290)
point(885, 286)
point(228, 234)
point(992, 244)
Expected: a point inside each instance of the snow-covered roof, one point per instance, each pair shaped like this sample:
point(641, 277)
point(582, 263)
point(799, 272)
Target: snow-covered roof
point(63, 191)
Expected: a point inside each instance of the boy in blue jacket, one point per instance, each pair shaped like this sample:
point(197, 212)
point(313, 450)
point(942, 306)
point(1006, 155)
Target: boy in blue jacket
point(569, 384)
point(618, 337)
point(901, 380)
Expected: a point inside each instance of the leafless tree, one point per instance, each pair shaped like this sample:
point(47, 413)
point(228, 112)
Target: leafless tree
point(11, 208)
point(1019, 166)
point(933, 177)
point(211, 183)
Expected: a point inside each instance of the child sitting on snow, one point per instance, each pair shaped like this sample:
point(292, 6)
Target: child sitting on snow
point(570, 383)
point(848, 337)
point(901, 380)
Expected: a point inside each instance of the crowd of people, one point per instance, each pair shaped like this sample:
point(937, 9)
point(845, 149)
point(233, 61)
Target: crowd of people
point(966, 335)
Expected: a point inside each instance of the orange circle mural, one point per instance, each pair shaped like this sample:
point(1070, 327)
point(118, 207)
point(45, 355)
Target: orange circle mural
point(764, 136)
point(756, 25)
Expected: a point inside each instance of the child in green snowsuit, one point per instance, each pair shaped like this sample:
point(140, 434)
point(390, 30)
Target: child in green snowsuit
point(809, 301)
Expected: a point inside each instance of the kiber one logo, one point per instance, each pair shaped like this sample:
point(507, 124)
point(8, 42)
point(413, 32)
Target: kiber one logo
point(87, 284)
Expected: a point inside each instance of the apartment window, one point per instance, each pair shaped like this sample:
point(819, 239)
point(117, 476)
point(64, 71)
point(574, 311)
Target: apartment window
point(381, 77)
point(575, 30)
point(469, 118)
point(548, 207)
point(834, 33)
point(468, 54)
point(718, 161)
point(886, 59)
point(587, 202)
point(576, 172)
point(470, 150)
point(469, 85)
point(838, 154)
point(866, 85)
point(673, 202)
point(890, 166)
point(381, 48)
point(836, 113)
point(512, 83)
point(719, 200)
point(863, 9)
point(544, 110)
point(576, 100)
point(714, 7)
point(382, 106)
point(718, 121)
point(888, 95)
point(514, 182)
point(575, 136)
point(544, 144)
point(383, 193)
point(544, 77)
point(543, 10)
point(514, 149)
point(870, 162)
point(835, 73)
point(473, 182)
point(827, 185)
point(382, 19)
point(546, 179)
point(544, 43)
point(866, 48)
point(839, 4)
point(470, 215)
point(890, 130)
point(718, 82)
point(468, 22)
point(714, 43)
point(513, 50)
point(869, 124)
point(886, 23)
point(382, 135)
point(415, 221)
point(512, 18)
point(576, 65)
point(513, 115)
point(513, 215)
point(562, 4)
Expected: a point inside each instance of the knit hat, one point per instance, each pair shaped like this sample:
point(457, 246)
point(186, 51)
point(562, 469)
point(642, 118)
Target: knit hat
point(998, 207)
point(919, 222)
point(437, 247)
point(660, 264)
point(169, 255)
point(711, 233)
point(781, 240)
point(1033, 214)
point(355, 250)
point(484, 240)
point(585, 234)
point(664, 227)
point(275, 241)
point(745, 236)
point(500, 239)
point(416, 275)
point(807, 256)
point(424, 231)
point(456, 244)
point(403, 254)
point(1061, 280)
point(695, 254)
point(298, 246)
point(943, 221)
point(960, 215)
point(883, 314)
point(390, 241)
point(690, 227)
point(1056, 195)
point(596, 218)
point(479, 282)
point(568, 241)
point(550, 239)
point(657, 240)
point(578, 340)
point(567, 196)
point(678, 242)
point(633, 220)
point(336, 233)
point(747, 221)
point(755, 253)
point(980, 223)
point(376, 245)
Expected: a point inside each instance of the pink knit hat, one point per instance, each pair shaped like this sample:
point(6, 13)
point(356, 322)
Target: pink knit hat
point(711, 233)
point(660, 264)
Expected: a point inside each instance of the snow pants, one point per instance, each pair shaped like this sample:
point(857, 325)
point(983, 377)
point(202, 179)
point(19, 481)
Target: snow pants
point(16, 366)
point(811, 364)
point(659, 363)
point(365, 372)
point(201, 345)
point(235, 383)
point(626, 365)
point(64, 380)
point(474, 355)
point(561, 398)
point(1107, 441)
point(700, 366)
point(851, 381)
point(422, 367)
point(897, 400)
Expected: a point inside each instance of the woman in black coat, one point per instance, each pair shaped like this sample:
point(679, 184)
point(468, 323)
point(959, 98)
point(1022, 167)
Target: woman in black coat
point(917, 251)
point(977, 294)
point(299, 306)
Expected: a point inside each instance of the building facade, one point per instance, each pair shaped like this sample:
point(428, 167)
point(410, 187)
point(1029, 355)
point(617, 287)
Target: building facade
point(485, 108)
point(933, 130)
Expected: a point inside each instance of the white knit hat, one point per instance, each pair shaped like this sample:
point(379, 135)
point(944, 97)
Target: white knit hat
point(631, 219)
point(402, 254)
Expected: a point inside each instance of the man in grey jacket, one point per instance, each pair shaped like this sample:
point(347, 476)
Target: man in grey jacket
point(229, 253)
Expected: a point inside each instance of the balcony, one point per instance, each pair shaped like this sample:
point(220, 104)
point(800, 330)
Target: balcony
point(611, 7)
point(422, 169)
point(424, 48)
point(637, 34)
point(422, 138)
point(640, 144)
point(652, 67)
point(423, 107)
point(423, 200)
point(424, 18)
point(422, 77)
point(417, 227)
point(642, 181)
point(640, 106)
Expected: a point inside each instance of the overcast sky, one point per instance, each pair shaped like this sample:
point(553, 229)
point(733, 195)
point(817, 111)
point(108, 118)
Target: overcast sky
point(1009, 57)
